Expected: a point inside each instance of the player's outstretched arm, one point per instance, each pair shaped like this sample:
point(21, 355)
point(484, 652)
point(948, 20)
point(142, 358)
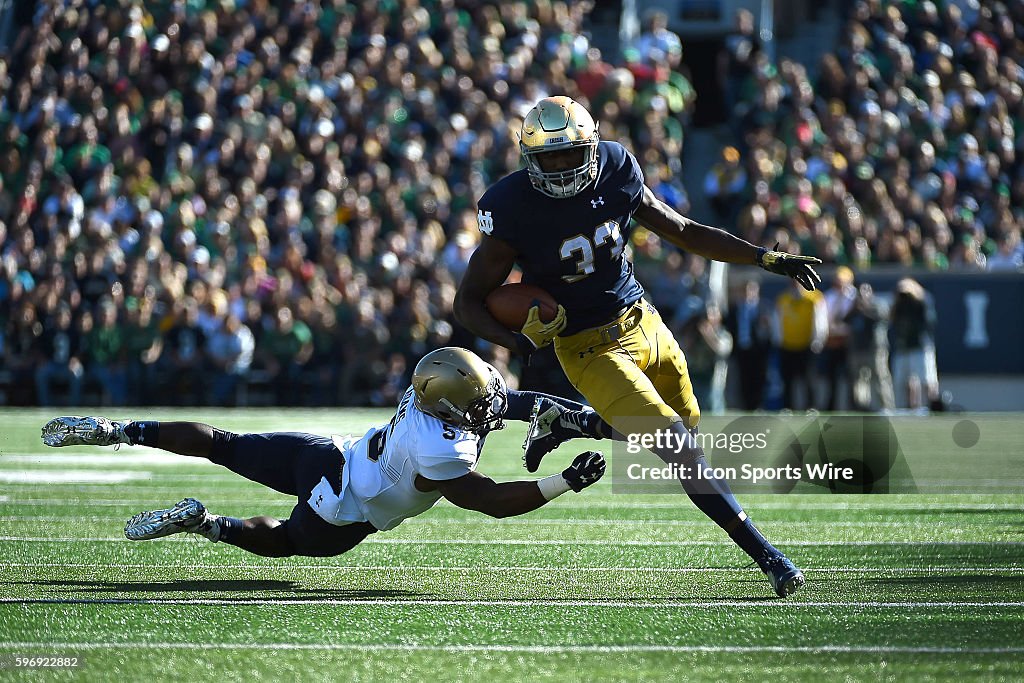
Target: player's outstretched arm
point(719, 245)
point(474, 491)
point(703, 240)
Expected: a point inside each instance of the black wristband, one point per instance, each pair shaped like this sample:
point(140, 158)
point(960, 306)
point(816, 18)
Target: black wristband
point(761, 251)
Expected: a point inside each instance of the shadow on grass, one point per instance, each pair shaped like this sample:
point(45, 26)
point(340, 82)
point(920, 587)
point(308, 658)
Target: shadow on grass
point(289, 590)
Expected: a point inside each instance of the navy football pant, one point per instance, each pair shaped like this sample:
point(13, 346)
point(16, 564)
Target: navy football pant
point(293, 463)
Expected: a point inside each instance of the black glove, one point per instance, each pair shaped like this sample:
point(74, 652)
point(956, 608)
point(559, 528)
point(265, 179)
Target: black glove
point(790, 265)
point(585, 470)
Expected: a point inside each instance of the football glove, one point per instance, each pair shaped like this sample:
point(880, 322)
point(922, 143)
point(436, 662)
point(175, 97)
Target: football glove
point(540, 333)
point(790, 265)
point(585, 470)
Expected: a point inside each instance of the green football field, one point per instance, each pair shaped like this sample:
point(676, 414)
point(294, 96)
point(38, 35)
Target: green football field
point(596, 586)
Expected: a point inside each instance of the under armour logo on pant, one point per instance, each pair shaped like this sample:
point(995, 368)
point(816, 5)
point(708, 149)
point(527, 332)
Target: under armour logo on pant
point(594, 203)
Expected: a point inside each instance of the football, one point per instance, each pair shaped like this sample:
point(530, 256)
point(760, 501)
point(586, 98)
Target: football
point(511, 303)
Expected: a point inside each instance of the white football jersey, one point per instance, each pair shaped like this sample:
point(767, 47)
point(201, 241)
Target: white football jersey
point(382, 466)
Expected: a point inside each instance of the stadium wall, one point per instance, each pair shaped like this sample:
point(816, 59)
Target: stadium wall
point(980, 316)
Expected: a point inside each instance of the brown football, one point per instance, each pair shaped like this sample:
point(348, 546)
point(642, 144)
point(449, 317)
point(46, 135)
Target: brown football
point(511, 303)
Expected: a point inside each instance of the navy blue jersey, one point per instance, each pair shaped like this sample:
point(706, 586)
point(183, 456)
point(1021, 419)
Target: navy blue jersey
point(573, 248)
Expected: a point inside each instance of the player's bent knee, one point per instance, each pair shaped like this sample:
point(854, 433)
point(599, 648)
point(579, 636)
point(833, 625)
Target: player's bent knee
point(647, 413)
point(282, 541)
point(682, 448)
point(326, 545)
point(686, 406)
point(311, 536)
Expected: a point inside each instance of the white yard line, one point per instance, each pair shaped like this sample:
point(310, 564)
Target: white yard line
point(619, 604)
point(508, 568)
point(526, 649)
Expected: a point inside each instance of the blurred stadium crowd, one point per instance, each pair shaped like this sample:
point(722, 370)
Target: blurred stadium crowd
point(905, 148)
point(198, 197)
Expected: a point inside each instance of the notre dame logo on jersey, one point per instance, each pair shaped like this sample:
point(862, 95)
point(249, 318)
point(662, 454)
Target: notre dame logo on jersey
point(485, 221)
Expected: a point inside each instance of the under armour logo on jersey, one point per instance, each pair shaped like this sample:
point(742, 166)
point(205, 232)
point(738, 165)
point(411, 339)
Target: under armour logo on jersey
point(485, 221)
point(594, 203)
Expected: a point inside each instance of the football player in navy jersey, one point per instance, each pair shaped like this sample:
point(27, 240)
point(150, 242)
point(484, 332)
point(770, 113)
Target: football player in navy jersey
point(564, 220)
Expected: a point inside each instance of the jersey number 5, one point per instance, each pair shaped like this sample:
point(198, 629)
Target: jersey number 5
point(584, 247)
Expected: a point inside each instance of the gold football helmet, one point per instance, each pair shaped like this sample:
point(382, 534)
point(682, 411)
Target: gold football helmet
point(457, 387)
point(554, 125)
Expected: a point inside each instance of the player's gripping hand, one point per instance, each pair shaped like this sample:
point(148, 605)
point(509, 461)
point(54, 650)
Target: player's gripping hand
point(541, 333)
point(790, 265)
point(585, 470)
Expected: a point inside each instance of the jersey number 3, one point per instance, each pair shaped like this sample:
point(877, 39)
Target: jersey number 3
point(582, 248)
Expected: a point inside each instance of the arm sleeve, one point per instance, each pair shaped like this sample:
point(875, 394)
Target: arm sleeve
point(520, 404)
point(635, 182)
point(456, 460)
point(494, 218)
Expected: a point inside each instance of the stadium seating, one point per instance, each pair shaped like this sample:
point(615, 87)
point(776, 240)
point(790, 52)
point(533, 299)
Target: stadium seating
point(211, 158)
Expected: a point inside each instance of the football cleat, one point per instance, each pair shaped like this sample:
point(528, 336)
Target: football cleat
point(187, 517)
point(548, 430)
point(785, 577)
point(84, 431)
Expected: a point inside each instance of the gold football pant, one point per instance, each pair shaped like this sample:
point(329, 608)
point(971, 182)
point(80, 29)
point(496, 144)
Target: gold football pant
point(631, 367)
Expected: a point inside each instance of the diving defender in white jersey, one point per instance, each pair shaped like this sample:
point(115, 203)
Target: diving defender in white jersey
point(348, 488)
